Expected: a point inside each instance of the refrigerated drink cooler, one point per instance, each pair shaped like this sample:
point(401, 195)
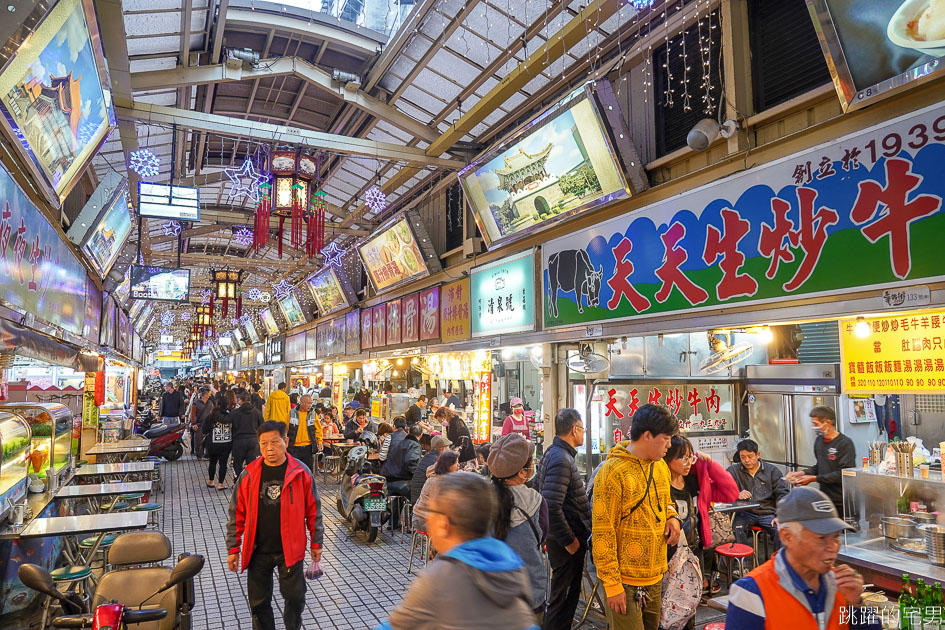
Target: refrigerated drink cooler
point(780, 398)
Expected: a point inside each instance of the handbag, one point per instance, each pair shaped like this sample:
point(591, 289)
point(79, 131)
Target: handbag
point(682, 589)
point(721, 527)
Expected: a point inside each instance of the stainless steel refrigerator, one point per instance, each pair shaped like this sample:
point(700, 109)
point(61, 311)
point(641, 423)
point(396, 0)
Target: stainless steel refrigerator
point(780, 398)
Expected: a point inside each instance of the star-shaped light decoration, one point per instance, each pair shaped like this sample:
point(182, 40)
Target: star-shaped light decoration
point(144, 163)
point(185, 316)
point(282, 288)
point(205, 296)
point(246, 171)
point(233, 321)
point(376, 199)
point(167, 318)
point(333, 255)
point(171, 228)
point(243, 236)
point(254, 294)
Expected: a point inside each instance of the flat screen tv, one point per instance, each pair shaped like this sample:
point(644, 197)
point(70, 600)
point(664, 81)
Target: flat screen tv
point(162, 201)
point(103, 243)
point(169, 284)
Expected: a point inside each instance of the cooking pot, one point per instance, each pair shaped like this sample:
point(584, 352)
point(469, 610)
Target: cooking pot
point(898, 527)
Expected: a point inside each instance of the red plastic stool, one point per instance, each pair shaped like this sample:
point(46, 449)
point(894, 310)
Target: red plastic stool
point(756, 533)
point(718, 625)
point(734, 552)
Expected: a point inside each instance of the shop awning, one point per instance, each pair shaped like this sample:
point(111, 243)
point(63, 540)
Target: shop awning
point(27, 342)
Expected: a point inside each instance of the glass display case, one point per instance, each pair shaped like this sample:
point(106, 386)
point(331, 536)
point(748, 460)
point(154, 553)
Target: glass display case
point(51, 428)
point(15, 441)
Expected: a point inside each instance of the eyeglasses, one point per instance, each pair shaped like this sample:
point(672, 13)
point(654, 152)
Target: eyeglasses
point(580, 427)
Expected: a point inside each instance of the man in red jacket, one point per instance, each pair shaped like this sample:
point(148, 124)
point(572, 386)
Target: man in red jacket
point(274, 501)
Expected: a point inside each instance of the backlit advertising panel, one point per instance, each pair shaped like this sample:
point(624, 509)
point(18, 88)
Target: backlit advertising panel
point(393, 256)
point(170, 284)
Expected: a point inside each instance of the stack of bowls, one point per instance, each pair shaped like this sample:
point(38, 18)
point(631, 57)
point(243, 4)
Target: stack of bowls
point(935, 543)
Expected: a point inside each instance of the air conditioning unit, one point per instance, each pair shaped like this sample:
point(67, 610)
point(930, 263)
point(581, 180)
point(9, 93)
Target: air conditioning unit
point(472, 246)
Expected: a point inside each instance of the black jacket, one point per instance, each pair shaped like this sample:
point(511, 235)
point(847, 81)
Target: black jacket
point(420, 475)
point(221, 420)
point(364, 398)
point(832, 458)
point(402, 460)
point(351, 429)
point(563, 488)
point(458, 433)
point(767, 486)
point(413, 415)
point(246, 419)
point(171, 405)
point(258, 401)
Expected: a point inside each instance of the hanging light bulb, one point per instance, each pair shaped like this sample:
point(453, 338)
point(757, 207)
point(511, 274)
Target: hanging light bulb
point(766, 336)
point(862, 327)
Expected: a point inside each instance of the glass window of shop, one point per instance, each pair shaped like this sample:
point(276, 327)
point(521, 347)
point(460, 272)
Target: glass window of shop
point(516, 373)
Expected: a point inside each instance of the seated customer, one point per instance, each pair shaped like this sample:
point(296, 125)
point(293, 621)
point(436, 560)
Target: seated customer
point(759, 483)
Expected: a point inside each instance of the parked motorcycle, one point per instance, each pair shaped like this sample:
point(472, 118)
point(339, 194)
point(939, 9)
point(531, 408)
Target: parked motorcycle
point(167, 441)
point(362, 495)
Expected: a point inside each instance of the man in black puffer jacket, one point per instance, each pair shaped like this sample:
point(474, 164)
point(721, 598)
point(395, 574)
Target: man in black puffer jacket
point(569, 514)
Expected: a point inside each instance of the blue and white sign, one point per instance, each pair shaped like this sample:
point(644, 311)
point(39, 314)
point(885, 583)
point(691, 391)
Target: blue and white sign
point(503, 296)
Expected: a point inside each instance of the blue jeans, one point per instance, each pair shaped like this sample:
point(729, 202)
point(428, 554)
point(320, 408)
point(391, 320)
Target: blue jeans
point(744, 521)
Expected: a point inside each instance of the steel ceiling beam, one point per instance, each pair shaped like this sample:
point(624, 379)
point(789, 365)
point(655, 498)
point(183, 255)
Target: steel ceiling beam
point(280, 134)
point(284, 66)
point(336, 33)
point(251, 264)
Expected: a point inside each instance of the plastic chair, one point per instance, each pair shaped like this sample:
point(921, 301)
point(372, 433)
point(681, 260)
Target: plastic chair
point(419, 538)
point(718, 625)
point(733, 553)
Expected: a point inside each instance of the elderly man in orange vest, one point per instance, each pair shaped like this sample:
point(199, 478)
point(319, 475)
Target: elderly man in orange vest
point(801, 586)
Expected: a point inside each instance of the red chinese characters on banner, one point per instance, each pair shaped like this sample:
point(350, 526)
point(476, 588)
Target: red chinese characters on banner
point(693, 399)
point(673, 400)
point(697, 408)
point(367, 336)
point(895, 212)
point(810, 236)
point(618, 436)
point(380, 325)
point(393, 322)
point(612, 405)
point(100, 388)
point(634, 403)
point(725, 244)
point(671, 273)
point(430, 313)
point(620, 282)
point(410, 318)
point(712, 401)
point(655, 396)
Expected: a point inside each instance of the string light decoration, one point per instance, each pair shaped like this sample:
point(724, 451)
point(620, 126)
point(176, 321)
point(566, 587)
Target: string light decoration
point(243, 236)
point(246, 171)
point(185, 316)
point(171, 228)
point(333, 255)
point(144, 163)
point(234, 321)
point(375, 199)
point(254, 294)
point(265, 296)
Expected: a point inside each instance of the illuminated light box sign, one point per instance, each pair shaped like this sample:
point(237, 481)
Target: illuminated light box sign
point(54, 96)
point(251, 331)
point(398, 253)
point(160, 201)
point(862, 212)
point(560, 164)
point(104, 241)
point(269, 322)
point(291, 310)
point(168, 284)
point(503, 296)
point(330, 290)
point(876, 49)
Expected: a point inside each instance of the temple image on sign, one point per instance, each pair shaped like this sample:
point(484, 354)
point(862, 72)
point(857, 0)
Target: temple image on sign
point(48, 116)
point(534, 193)
point(102, 244)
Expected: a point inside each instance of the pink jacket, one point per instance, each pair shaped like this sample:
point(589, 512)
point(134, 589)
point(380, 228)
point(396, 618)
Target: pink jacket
point(715, 484)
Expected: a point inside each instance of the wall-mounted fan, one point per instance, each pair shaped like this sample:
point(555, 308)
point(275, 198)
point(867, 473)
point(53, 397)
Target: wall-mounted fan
point(724, 353)
point(587, 361)
point(536, 362)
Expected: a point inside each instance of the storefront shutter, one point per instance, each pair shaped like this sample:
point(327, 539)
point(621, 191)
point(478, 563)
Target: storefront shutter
point(821, 343)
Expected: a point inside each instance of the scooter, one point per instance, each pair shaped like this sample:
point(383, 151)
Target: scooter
point(362, 495)
point(111, 615)
point(167, 441)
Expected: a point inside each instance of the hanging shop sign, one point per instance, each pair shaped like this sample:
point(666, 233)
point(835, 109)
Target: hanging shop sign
point(251, 332)
point(862, 212)
point(39, 274)
point(92, 322)
point(54, 96)
point(367, 328)
point(410, 318)
point(89, 408)
point(295, 348)
point(454, 311)
point(877, 53)
point(380, 325)
point(430, 313)
point(111, 229)
point(163, 201)
point(269, 321)
point(482, 420)
point(109, 313)
point(291, 310)
point(338, 336)
point(275, 349)
point(903, 354)
point(699, 407)
point(124, 333)
point(560, 164)
point(353, 333)
point(330, 290)
point(460, 366)
point(503, 295)
point(393, 323)
point(394, 255)
point(330, 338)
point(170, 284)
point(100, 388)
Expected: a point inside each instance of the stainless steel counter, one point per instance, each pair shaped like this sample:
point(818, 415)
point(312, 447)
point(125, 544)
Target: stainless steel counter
point(883, 566)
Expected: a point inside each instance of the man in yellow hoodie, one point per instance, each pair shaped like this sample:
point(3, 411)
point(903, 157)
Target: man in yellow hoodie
point(634, 519)
point(278, 407)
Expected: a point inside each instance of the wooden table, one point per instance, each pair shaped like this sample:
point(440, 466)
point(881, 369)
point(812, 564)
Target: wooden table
point(719, 603)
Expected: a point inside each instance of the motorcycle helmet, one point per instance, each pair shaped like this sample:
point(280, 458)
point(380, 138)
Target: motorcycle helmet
point(358, 452)
point(369, 439)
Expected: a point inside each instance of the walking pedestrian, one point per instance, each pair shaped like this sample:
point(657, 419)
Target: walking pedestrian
point(258, 401)
point(305, 432)
point(278, 405)
point(218, 435)
point(476, 581)
point(266, 533)
point(246, 420)
point(171, 402)
point(200, 412)
point(569, 517)
point(635, 519)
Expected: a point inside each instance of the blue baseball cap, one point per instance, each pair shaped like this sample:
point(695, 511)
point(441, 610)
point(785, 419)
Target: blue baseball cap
point(813, 509)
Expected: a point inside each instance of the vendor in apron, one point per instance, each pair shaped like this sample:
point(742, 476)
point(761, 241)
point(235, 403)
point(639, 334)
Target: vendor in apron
point(517, 422)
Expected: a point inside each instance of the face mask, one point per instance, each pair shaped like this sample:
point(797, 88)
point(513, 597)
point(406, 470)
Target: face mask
point(532, 475)
point(517, 412)
point(820, 432)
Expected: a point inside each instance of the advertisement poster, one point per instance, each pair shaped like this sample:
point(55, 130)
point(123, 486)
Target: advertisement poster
point(380, 325)
point(430, 313)
point(393, 256)
point(367, 328)
point(410, 318)
point(89, 408)
point(874, 47)
point(393, 323)
point(862, 212)
point(107, 336)
point(104, 243)
point(93, 311)
point(327, 291)
point(862, 410)
point(563, 163)
point(483, 410)
point(454, 311)
point(896, 354)
point(353, 333)
point(503, 295)
point(51, 94)
point(39, 273)
point(292, 311)
point(252, 332)
point(269, 322)
point(169, 284)
point(338, 336)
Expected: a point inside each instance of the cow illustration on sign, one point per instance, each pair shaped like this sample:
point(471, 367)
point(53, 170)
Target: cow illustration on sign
point(571, 270)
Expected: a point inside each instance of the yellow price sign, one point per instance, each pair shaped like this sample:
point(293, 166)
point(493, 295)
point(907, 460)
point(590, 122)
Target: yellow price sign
point(896, 354)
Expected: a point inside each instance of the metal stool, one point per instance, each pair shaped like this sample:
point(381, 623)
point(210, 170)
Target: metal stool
point(332, 464)
point(734, 552)
point(132, 496)
point(152, 509)
point(156, 473)
point(89, 543)
point(401, 505)
point(419, 538)
point(72, 577)
point(115, 506)
point(757, 532)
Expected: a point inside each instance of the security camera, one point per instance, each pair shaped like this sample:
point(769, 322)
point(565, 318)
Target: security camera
point(707, 131)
